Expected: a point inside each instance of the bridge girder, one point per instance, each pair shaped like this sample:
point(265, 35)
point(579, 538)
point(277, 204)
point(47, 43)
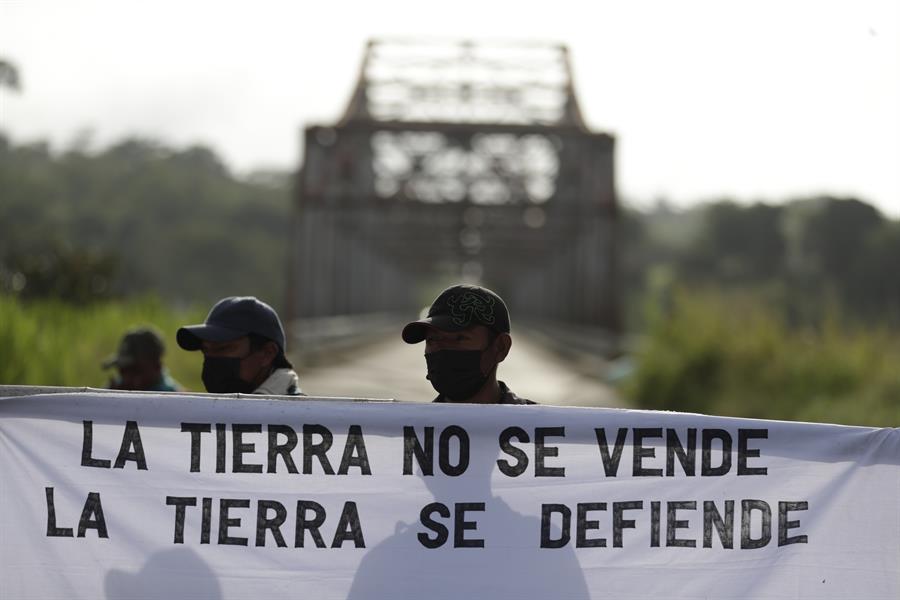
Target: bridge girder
point(391, 194)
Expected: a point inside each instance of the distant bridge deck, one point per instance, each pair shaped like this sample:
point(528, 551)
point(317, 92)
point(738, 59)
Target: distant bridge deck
point(382, 366)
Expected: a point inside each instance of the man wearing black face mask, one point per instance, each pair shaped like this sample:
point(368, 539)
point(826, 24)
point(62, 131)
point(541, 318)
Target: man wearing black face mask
point(242, 342)
point(466, 336)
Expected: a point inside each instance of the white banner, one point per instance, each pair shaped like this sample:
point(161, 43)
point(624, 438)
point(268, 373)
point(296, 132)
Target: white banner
point(114, 495)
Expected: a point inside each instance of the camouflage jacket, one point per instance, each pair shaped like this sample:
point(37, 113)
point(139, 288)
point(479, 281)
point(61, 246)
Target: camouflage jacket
point(506, 397)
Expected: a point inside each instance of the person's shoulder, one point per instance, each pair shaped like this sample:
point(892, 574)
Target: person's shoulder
point(517, 400)
point(282, 382)
point(168, 384)
point(507, 396)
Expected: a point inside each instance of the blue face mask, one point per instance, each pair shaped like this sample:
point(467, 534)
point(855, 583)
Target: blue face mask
point(455, 374)
point(221, 375)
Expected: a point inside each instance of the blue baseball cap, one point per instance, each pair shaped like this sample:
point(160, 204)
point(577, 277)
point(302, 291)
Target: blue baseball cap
point(232, 318)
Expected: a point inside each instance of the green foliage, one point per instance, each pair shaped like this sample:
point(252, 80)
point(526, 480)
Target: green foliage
point(832, 233)
point(174, 222)
point(732, 354)
point(739, 243)
point(49, 342)
point(812, 251)
point(80, 276)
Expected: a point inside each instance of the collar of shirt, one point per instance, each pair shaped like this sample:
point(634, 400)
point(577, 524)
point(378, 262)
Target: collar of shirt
point(506, 397)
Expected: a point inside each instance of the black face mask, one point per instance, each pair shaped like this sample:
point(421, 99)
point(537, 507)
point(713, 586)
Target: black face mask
point(455, 374)
point(221, 375)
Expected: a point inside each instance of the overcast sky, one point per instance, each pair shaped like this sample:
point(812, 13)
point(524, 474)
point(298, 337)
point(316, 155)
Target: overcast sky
point(752, 100)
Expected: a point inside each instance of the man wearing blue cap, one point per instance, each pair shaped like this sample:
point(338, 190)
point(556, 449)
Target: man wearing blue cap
point(466, 335)
point(243, 346)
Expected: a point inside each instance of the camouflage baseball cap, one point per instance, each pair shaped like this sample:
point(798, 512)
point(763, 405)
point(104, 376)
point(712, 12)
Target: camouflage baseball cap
point(459, 307)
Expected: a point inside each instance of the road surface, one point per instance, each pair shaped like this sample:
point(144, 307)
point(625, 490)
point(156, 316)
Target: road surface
point(389, 368)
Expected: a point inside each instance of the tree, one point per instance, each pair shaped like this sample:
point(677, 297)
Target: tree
point(744, 243)
point(9, 76)
point(176, 221)
point(828, 236)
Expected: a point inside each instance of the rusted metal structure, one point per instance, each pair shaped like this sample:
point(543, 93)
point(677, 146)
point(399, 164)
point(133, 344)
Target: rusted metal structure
point(458, 160)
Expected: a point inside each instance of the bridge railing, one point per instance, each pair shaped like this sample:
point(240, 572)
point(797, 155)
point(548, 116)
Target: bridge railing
point(313, 339)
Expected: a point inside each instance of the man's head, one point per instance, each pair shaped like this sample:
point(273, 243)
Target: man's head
point(466, 335)
point(138, 360)
point(242, 342)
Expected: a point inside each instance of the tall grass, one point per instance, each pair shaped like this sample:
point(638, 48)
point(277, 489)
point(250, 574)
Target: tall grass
point(732, 354)
point(49, 342)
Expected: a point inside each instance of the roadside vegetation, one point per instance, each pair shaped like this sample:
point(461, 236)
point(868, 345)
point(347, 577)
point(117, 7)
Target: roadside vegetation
point(54, 342)
point(734, 354)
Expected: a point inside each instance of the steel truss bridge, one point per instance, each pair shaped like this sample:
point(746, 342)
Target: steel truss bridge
point(458, 161)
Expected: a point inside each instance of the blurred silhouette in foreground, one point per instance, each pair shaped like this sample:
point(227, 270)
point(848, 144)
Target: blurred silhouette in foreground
point(492, 551)
point(242, 342)
point(176, 573)
point(139, 365)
